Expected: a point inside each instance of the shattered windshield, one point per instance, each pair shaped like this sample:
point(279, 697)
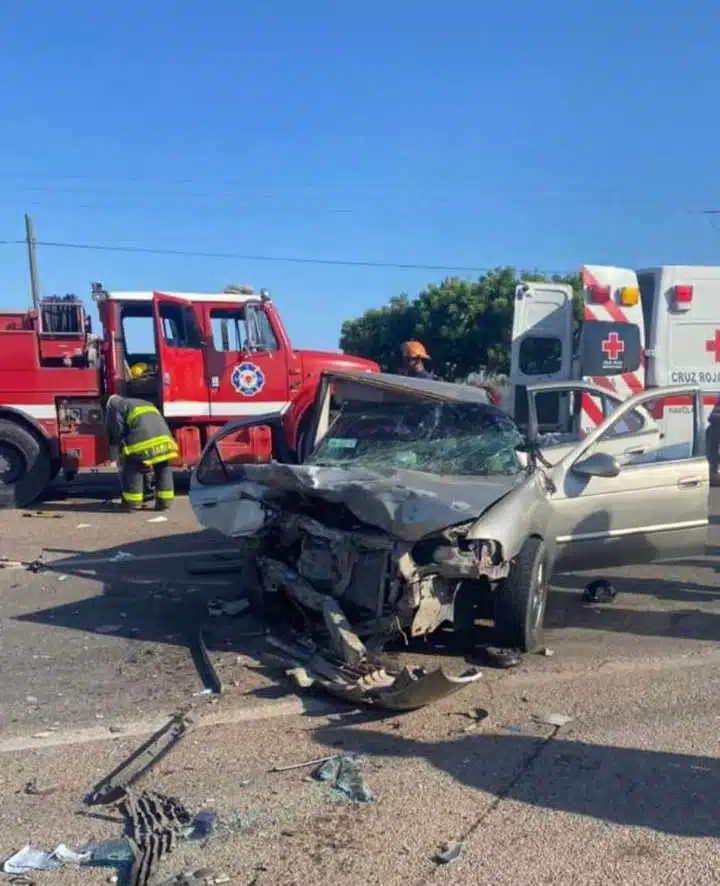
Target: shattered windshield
point(471, 439)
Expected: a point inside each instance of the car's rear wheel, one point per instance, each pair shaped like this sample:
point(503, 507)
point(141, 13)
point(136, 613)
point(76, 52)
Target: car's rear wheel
point(521, 600)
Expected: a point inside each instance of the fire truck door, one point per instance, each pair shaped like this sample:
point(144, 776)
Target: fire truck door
point(181, 359)
point(247, 363)
point(541, 348)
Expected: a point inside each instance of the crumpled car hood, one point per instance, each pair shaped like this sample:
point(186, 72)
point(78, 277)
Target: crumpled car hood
point(408, 505)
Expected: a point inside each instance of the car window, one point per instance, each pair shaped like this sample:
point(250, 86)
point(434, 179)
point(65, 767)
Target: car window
point(672, 418)
point(470, 439)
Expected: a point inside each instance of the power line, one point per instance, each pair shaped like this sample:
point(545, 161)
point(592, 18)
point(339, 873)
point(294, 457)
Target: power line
point(280, 259)
point(237, 189)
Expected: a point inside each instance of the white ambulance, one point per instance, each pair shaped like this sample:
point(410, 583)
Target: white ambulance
point(640, 329)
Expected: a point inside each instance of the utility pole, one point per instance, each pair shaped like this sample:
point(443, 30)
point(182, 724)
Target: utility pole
point(32, 262)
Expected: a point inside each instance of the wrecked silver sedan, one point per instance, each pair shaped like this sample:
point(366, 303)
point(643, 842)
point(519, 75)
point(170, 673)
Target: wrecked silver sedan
point(411, 501)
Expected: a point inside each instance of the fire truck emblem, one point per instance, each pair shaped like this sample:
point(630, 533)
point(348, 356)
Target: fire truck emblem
point(247, 379)
point(613, 346)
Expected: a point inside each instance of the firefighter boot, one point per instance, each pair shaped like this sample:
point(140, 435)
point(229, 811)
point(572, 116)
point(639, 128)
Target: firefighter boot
point(164, 486)
point(131, 484)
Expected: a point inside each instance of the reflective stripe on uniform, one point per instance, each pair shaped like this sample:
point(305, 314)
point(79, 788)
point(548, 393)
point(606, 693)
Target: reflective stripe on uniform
point(132, 497)
point(165, 494)
point(154, 445)
point(140, 410)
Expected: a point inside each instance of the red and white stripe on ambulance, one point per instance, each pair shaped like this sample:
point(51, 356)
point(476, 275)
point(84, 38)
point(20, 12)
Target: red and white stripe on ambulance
point(611, 295)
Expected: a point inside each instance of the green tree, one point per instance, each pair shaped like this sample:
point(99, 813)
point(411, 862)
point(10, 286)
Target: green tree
point(464, 324)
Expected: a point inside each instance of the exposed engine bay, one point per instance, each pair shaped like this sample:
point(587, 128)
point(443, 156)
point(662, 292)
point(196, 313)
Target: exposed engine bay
point(347, 589)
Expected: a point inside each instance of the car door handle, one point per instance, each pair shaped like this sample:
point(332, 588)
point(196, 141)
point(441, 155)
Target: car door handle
point(689, 481)
point(640, 450)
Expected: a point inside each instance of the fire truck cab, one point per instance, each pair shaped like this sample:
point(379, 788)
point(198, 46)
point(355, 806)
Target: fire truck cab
point(209, 358)
point(639, 329)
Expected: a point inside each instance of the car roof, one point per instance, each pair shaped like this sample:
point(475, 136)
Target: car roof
point(449, 392)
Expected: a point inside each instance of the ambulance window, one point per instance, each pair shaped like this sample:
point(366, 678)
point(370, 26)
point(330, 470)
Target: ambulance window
point(229, 329)
point(540, 355)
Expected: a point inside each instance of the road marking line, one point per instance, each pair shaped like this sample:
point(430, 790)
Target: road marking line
point(290, 708)
point(66, 563)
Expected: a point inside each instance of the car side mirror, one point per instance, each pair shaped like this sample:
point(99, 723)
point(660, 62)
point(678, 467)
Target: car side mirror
point(600, 464)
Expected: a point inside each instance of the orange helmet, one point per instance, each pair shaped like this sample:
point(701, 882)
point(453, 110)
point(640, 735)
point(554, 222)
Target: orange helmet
point(414, 350)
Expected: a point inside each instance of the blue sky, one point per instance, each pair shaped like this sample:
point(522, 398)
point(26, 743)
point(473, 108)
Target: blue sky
point(458, 133)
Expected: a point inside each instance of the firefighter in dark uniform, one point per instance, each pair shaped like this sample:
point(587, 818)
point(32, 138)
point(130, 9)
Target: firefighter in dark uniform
point(414, 356)
point(140, 440)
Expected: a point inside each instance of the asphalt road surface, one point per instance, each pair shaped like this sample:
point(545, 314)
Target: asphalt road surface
point(95, 653)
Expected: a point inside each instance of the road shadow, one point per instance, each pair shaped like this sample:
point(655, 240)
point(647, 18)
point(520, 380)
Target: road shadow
point(92, 493)
point(665, 792)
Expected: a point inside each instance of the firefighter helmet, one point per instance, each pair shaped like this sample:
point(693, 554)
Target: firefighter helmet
point(414, 350)
point(137, 370)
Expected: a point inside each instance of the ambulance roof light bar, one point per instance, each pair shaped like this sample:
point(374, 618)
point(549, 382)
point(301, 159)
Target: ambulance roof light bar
point(682, 297)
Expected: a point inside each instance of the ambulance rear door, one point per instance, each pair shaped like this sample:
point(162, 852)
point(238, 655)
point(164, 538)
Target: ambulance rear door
point(685, 339)
point(612, 341)
point(542, 338)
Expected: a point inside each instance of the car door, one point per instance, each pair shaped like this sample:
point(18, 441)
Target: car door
point(247, 366)
point(220, 496)
point(633, 436)
point(652, 508)
point(181, 357)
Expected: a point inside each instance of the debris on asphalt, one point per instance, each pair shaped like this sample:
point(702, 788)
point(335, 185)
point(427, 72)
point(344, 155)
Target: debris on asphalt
point(6, 563)
point(160, 519)
point(46, 515)
point(547, 652)
point(113, 787)
point(344, 775)
point(556, 720)
point(450, 853)
point(29, 859)
point(156, 823)
point(32, 790)
point(599, 591)
point(230, 608)
point(202, 825)
point(304, 764)
point(69, 856)
point(108, 629)
point(120, 556)
point(206, 671)
point(83, 526)
point(495, 657)
point(366, 682)
point(109, 852)
point(476, 714)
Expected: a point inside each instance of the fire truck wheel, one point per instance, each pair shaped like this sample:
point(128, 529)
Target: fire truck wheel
point(519, 611)
point(24, 464)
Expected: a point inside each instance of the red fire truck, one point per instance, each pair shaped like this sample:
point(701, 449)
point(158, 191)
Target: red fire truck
point(210, 358)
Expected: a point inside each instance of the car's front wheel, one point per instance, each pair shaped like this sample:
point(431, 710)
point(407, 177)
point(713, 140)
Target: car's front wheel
point(520, 602)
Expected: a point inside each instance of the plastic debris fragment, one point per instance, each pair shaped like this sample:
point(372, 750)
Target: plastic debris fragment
point(451, 852)
point(556, 720)
point(29, 859)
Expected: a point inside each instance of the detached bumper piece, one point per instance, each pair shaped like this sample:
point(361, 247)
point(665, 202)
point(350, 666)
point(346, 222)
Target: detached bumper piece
point(364, 682)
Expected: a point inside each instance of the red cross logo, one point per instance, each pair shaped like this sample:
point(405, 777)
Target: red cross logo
point(713, 346)
point(613, 346)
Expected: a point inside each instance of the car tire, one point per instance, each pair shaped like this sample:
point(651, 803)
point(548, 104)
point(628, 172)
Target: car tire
point(521, 600)
point(25, 465)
